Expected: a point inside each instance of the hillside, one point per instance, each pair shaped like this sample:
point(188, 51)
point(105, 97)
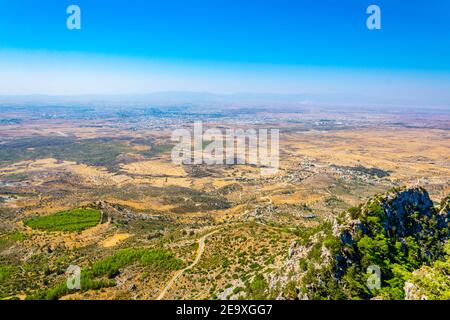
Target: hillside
point(401, 233)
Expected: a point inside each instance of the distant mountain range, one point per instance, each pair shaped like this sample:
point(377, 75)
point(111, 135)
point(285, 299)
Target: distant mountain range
point(205, 99)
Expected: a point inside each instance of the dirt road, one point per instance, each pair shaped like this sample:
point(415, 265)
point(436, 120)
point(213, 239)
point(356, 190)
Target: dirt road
point(201, 248)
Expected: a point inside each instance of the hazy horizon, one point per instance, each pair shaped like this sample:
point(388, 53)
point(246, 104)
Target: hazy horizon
point(292, 48)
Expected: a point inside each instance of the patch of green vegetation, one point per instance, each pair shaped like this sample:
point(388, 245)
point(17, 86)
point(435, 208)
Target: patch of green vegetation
point(159, 259)
point(303, 264)
point(305, 233)
point(257, 289)
point(433, 282)
point(5, 272)
point(10, 238)
point(315, 252)
point(156, 149)
point(375, 172)
point(69, 221)
point(354, 212)
point(290, 290)
point(225, 262)
point(238, 290)
point(96, 152)
point(87, 282)
point(98, 275)
point(16, 236)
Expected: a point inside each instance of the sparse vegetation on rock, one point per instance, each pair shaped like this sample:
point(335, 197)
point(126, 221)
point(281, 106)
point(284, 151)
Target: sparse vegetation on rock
point(397, 232)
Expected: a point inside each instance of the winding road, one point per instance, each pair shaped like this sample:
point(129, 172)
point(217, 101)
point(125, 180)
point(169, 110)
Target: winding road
point(201, 248)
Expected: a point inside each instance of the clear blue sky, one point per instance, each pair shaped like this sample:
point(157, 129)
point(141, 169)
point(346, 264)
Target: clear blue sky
point(249, 36)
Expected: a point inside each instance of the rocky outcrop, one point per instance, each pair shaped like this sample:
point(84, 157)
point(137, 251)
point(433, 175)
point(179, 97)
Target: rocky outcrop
point(395, 233)
point(430, 282)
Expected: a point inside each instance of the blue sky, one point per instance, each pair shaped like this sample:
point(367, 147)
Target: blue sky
point(294, 46)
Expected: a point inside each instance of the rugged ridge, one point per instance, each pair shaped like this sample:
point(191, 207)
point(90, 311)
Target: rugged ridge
point(397, 232)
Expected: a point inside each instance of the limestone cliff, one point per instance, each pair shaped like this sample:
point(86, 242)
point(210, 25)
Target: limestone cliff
point(390, 235)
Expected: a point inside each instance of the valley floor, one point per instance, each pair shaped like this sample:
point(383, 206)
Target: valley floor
point(211, 232)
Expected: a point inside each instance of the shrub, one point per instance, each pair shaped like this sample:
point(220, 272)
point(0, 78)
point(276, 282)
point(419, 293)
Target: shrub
point(258, 288)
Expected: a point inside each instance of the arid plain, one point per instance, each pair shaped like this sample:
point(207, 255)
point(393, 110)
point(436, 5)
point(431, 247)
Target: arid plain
point(220, 226)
